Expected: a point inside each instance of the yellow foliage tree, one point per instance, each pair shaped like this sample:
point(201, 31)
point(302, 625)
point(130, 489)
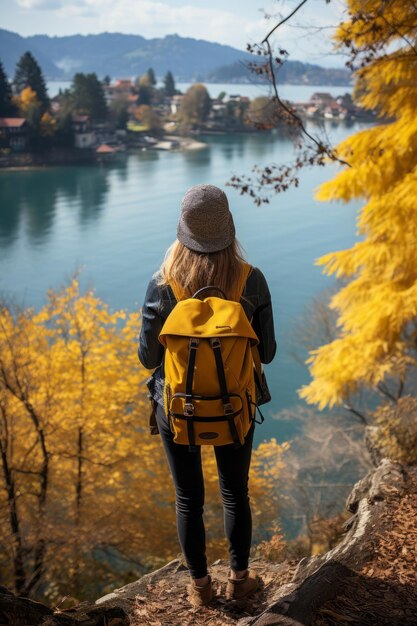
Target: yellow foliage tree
point(85, 495)
point(48, 125)
point(27, 99)
point(377, 308)
point(30, 108)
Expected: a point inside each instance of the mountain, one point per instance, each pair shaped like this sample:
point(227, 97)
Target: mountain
point(292, 72)
point(120, 55)
point(12, 46)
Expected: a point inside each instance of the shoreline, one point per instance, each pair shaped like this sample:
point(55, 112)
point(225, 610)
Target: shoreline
point(60, 157)
point(24, 161)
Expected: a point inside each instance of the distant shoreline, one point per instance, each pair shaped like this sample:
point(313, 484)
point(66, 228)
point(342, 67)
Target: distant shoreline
point(25, 161)
point(288, 91)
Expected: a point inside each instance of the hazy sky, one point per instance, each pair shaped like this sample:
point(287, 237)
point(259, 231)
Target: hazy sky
point(233, 22)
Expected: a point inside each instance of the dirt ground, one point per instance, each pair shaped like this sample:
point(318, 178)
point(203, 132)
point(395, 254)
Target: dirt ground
point(167, 604)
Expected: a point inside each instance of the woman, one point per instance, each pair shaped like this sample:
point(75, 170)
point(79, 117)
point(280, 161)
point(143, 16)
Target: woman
point(206, 253)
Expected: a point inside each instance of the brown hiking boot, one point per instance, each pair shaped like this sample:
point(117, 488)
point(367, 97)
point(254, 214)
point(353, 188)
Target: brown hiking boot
point(200, 596)
point(241, 587)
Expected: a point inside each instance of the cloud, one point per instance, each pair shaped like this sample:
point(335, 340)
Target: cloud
point(40, 4)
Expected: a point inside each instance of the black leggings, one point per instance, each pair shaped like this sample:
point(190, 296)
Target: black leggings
point(233, 468)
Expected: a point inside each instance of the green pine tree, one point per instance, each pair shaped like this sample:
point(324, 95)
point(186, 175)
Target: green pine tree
point(87, 95)
point(29, 74)
point(7, 108)
point(151, 75)
point(169, 85)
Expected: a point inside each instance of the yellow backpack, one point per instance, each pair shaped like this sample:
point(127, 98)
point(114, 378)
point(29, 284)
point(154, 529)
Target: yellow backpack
point(210, 350)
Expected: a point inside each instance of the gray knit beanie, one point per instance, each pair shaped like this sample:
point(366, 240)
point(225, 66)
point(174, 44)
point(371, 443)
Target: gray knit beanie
point(206, 224)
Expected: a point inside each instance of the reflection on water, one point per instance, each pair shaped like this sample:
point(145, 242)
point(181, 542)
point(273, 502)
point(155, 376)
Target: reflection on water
point(198, 158)
point(261, 144)
point(25, 202)
point(30, 199)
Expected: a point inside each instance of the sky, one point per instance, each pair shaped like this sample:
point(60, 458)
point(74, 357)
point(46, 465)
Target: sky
point(234, 22)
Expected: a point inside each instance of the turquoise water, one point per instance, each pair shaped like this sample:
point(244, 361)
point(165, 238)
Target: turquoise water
point(116, 221)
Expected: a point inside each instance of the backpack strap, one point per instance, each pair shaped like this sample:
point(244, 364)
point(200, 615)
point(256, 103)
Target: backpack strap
point(255, 352)
point(247, 268)
point(227, 407)
point(258, 364)
point(188, 406)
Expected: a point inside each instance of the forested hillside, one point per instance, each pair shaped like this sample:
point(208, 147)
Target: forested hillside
point(117, 54)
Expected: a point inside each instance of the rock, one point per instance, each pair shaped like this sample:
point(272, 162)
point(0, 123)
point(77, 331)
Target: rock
point(124, 596)
point(20, 611)
point(389, 478)
point(318, 579)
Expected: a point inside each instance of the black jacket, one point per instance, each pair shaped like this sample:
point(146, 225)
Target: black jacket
point(159, 302)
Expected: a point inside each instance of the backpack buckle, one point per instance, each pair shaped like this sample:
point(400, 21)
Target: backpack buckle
point(215, 342)
point(194, 342)
point(228, 408)
point(189, 409)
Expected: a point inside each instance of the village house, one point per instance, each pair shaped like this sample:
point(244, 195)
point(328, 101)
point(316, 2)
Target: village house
point(84, 136)
point(175, 103)
point(311, 111)
point(105, 152)
point(335, 111)
point(236, 98)
point(14, 133)
point(322, 99)
point(323, 105)
point(122, 87)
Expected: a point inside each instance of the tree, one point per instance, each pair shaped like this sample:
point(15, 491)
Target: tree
point(30, 108)
point(145, 89)
point(7, 107)
point(151, 77)
point(29, 74)
point(148, 117)
point(377, 309)
point(119, 108)
point(82, 481)
point(51, 383)
point(64, 130)
point(87, 96)
point(48, 125)
point(327, 456)
point(169, 85)
point(263, 113)
point(395, 432)
point(145, 93)
point(195, 106)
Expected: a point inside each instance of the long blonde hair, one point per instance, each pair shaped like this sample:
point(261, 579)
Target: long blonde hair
point(191, 270)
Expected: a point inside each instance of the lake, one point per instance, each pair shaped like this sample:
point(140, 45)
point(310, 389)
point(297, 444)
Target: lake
point(116, 220)
point(295, 93)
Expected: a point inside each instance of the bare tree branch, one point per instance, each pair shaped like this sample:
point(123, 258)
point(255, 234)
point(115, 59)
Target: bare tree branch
point(285, 19)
